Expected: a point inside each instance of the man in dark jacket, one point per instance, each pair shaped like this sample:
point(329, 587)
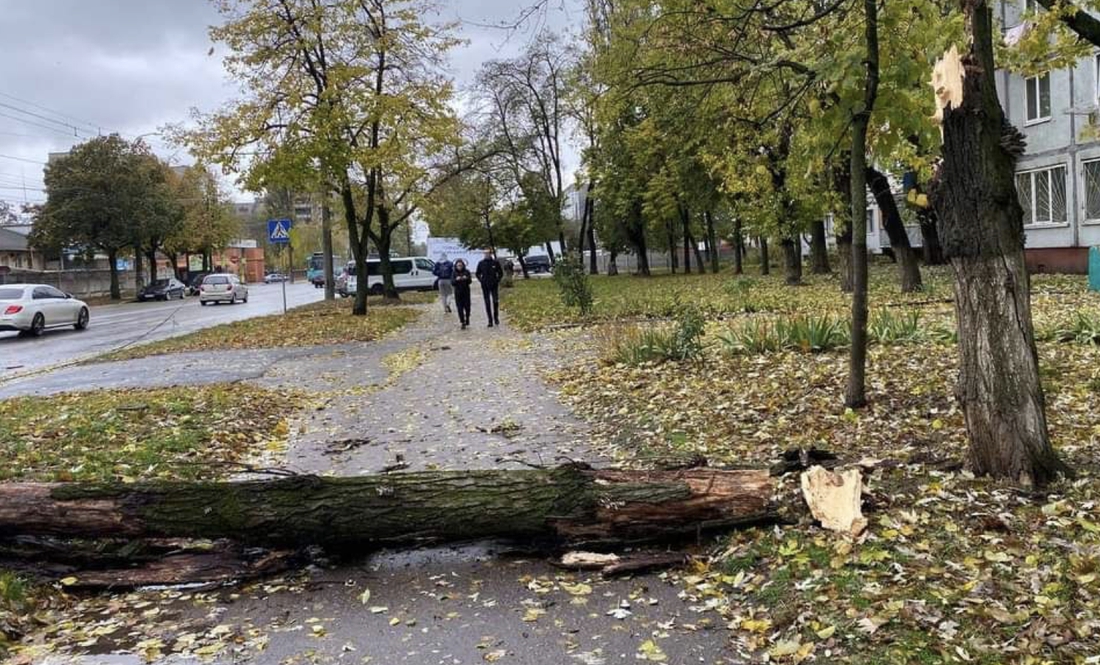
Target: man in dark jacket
point(489, 273)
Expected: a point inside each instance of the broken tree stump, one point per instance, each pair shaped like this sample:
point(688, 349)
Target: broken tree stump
point(571, 504)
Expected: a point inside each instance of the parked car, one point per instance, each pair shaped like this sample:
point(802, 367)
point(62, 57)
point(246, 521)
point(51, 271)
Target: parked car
point(539, 263)
point(194, 281)
point(163, 289)
point(410, 273)
point(274, 277)
point(32, 308)
point(222, 287)
point(318, 280)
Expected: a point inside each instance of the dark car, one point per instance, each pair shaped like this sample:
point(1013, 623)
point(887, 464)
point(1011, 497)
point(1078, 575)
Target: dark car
point(194, 281)
point(163, 289)
point(537, 264)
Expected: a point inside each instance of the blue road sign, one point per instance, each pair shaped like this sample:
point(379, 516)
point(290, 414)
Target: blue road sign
point(278, 231)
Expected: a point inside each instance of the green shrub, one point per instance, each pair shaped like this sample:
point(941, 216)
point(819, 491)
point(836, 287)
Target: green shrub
point(889, 328)
point(810, 334)
point(1083, 328)
point(676, 342)
point(573, 284)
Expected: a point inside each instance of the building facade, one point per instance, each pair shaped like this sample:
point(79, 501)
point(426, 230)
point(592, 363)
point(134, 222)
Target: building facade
point(1058, 177)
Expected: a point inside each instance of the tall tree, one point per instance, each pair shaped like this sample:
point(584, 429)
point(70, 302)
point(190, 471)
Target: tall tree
point(856, 394)
point(96, 195)
point(981, 227)
point(351, 88)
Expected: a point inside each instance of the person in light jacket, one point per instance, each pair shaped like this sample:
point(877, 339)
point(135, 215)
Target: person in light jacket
point(443, 272)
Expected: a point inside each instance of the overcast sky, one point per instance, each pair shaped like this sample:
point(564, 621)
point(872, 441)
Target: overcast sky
point(77, 67)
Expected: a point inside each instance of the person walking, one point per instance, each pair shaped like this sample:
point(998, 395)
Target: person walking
point(460, 279)
point(489, 273)
point(444, 271)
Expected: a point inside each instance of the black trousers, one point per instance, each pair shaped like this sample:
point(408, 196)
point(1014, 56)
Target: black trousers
point(462, 300)
point(491, 293)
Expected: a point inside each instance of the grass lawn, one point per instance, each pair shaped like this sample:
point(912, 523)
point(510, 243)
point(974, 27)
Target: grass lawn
point(952, 568)
point(188, 433)
point(318, 323)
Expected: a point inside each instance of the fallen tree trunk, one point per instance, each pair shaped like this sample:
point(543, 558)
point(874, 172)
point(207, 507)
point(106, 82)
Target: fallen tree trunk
point(571, 504)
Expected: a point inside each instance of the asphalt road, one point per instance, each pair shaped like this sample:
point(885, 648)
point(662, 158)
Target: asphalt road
point(114, 326)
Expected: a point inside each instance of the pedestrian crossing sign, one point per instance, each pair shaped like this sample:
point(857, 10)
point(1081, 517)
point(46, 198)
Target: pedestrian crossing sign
point(278, 231)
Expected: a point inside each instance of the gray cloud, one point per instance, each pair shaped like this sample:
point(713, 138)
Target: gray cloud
point(132, 66)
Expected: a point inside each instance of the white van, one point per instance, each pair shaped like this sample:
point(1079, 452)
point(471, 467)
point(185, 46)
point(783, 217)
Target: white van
point(410, 273)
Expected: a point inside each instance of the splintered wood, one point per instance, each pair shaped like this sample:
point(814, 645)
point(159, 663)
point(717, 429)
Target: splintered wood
point(835, 499)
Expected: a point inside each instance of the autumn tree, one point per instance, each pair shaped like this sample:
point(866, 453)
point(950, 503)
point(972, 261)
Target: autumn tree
point(208, 221)
point(981, 227)
point(353, 88)
point(525, 99)
point(96, 196)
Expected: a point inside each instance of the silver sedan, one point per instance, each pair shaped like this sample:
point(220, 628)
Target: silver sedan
point(32, 308)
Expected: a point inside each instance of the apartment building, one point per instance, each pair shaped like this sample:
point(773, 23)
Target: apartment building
point(1058, 177)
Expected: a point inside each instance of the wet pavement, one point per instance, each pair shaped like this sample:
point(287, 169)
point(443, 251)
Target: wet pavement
point(114, 326)
point(430, 396)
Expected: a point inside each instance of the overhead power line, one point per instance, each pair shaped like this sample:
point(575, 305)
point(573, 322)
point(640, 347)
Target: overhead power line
point(38, 124)
point(22, 159)
point(92, 125)
point(46, 118)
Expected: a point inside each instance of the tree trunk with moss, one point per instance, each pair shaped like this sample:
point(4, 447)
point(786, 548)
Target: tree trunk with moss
point(981, 228)
point(567, 505)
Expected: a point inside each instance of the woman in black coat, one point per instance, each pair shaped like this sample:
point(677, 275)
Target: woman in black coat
point(461, 282)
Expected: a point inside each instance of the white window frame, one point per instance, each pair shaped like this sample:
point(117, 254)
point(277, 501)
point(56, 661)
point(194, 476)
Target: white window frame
point(1038, 99)
point(1085, 219)
point(1096, 78)
point(1048, 171)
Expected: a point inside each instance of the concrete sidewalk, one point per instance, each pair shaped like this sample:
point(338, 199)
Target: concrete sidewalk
point(432, 396)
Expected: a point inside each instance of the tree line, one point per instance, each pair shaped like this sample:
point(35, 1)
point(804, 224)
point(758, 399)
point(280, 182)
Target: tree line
point(697, 122)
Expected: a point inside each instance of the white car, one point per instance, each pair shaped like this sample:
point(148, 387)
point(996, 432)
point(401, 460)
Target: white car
point(222, 287)
point(410, 273)
point(32, 308)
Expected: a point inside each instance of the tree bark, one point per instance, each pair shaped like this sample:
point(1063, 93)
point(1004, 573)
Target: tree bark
point(139, 265)
point(574, 505)
point(112, 258)
point(738, 248)
point(930, 238)
point(612, 266)
point(819, 249)
point(765, 263)
point(699, 262)
point(981, 226)
point(908, 266)
point(152, 256)
point(712, 242)
point(792, 261)
point(856, 394)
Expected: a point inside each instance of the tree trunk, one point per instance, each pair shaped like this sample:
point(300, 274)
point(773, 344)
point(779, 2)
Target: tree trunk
point(685, 220)
point(206, 260)
point(673, 262)
point(568, 505)
point(908, 267)
point(844, 258)
point(139, 266)
point(326, 251)
point(765, 263)
point(712, 242)
point(819, 249)
point(698, 255)
point(856, 394)
point(792, 261)
point(981, 226)
point(593, 264)
point(550, 252)
point(738, 249)
point(930, 238)
point(612, 266)
point(152, 256)
point(112, 258)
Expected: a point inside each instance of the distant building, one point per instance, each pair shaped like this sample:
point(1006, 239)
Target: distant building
point(16, 252)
